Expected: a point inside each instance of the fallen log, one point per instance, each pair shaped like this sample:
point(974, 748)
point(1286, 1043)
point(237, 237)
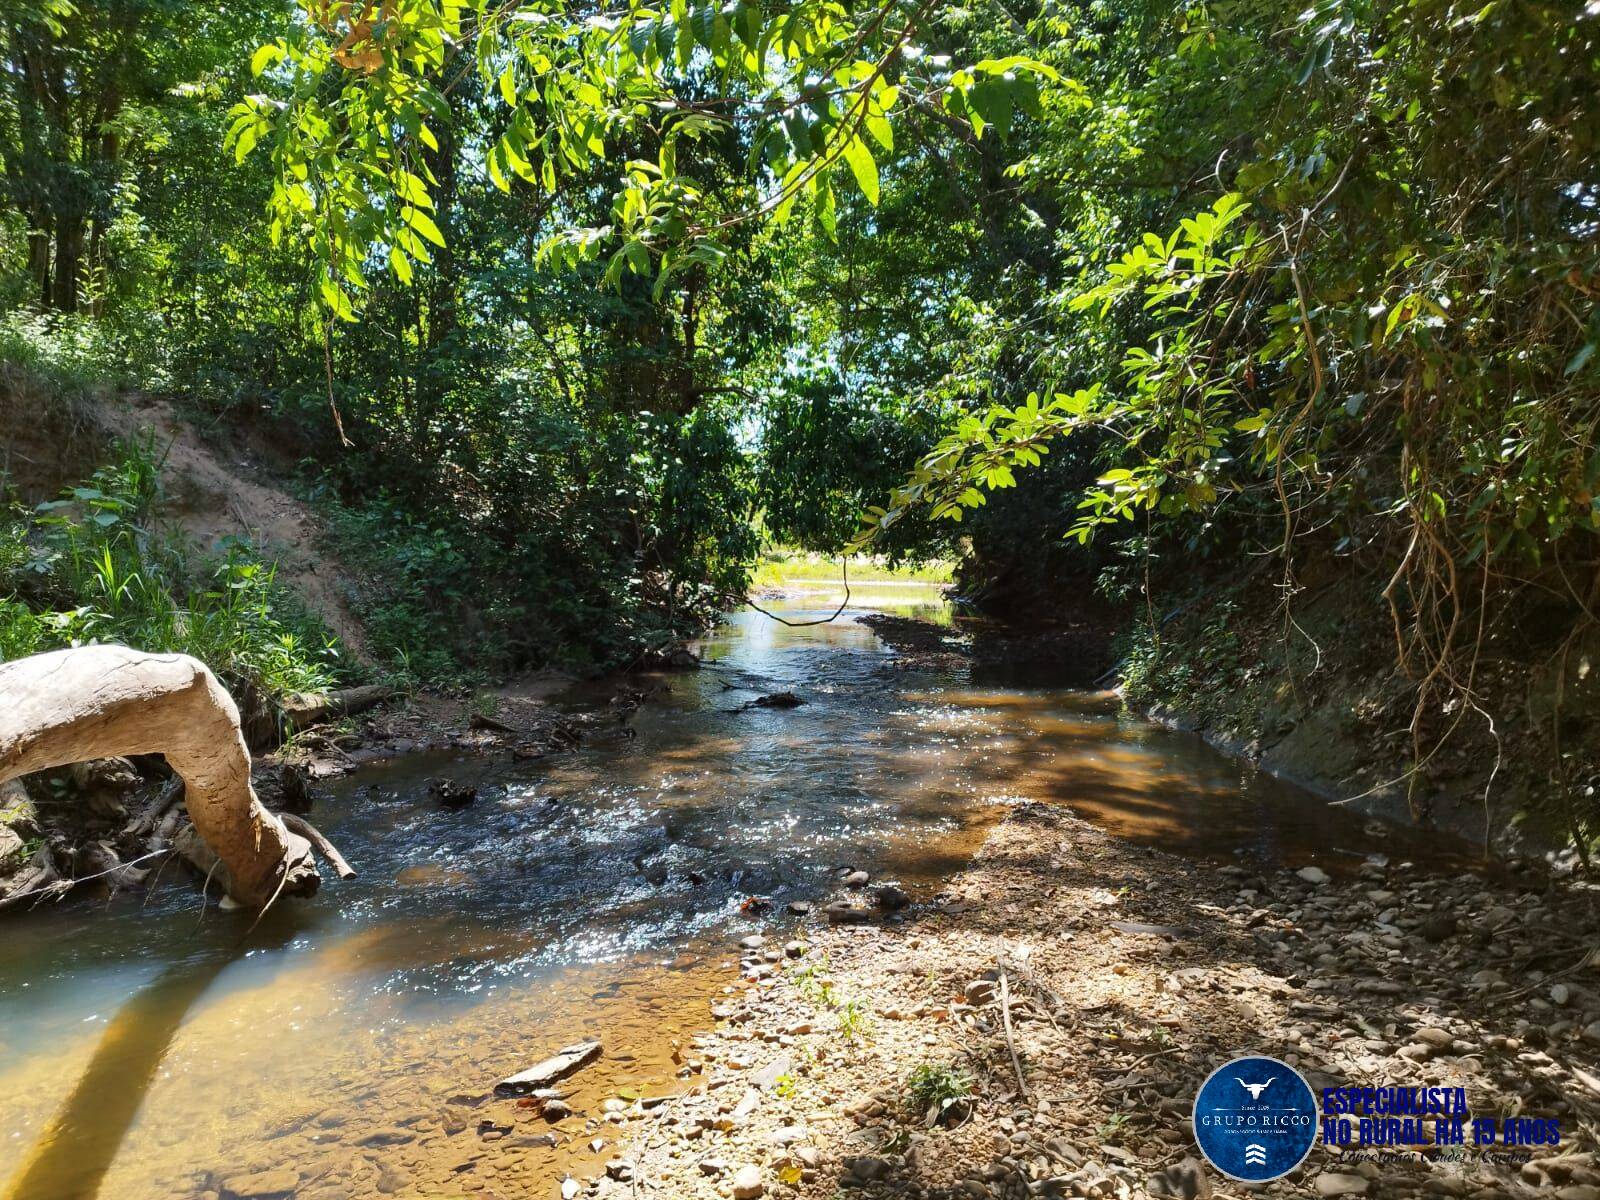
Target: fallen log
point(90, 702)
point(305, 709)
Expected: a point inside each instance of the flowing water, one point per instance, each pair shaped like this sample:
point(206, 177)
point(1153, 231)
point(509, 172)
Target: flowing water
point(157, 1050)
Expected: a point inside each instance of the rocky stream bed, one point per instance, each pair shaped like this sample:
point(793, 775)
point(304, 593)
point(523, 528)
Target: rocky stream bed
point(920, 936)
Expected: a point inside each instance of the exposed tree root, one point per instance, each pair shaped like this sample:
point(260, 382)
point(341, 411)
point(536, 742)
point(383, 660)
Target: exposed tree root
point(101, 701)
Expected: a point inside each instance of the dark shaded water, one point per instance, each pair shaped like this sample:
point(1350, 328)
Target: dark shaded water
point(142, 1049)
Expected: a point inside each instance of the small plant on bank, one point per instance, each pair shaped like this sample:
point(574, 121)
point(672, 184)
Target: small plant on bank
point(1113, 1126)
point(813, 983)
point(855, 1018)
point(937, 1090)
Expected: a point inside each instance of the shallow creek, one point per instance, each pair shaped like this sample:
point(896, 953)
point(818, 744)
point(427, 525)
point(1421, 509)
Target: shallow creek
point(157, 1050)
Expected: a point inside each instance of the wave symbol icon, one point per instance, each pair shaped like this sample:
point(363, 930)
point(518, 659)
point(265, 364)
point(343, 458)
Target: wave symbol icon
point(1255, 1155)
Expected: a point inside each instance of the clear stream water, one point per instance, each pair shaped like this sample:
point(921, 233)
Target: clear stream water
point(155, 1050)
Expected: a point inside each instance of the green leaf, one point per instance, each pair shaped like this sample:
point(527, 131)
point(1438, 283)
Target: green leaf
point(334, 297)
point(880, 129)
point(412, 190)
point(400, 265)
point(267, 56)
point(864, 167)
point(423, 224)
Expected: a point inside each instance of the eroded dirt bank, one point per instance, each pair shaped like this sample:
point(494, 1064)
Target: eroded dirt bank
point(1129, 975)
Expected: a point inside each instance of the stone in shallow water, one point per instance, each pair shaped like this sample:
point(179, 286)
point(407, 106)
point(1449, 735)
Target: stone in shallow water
point(558, 1066)
point(263, 1185)
point(620, 1169)
point(1313, 875)
point(841, 912)
point(890, 898)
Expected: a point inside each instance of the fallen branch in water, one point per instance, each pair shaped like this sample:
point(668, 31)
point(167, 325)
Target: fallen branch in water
point(319, 843)
point(844, 575)
point(60, 886)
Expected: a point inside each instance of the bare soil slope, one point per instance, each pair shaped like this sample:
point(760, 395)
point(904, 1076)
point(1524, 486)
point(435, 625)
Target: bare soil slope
point(214, 491)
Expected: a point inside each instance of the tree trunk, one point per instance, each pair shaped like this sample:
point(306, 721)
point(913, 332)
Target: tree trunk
point(39, 264)
point(99, 701)
point(69, 258)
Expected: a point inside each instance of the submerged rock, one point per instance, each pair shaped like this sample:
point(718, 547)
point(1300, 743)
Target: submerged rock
point(262, 1185)
point(842, 912)
point(777, 700)
point(451, 793)
point(890, 898)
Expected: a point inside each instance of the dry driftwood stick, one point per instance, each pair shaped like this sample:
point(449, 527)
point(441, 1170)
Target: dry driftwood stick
point(1011, 1044)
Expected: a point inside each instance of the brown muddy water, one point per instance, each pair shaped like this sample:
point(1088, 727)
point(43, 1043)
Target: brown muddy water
point(159, 1050)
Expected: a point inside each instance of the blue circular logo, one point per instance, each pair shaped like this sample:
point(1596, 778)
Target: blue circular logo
point(1255, 1119)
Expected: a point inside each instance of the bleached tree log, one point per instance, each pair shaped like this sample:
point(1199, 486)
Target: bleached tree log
point(98, 701)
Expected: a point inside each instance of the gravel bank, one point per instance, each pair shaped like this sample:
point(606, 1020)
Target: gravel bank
point(1127, 976)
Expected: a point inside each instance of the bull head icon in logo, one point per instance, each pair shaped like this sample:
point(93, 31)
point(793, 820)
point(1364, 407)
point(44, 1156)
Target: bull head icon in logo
point(1255, 1089)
